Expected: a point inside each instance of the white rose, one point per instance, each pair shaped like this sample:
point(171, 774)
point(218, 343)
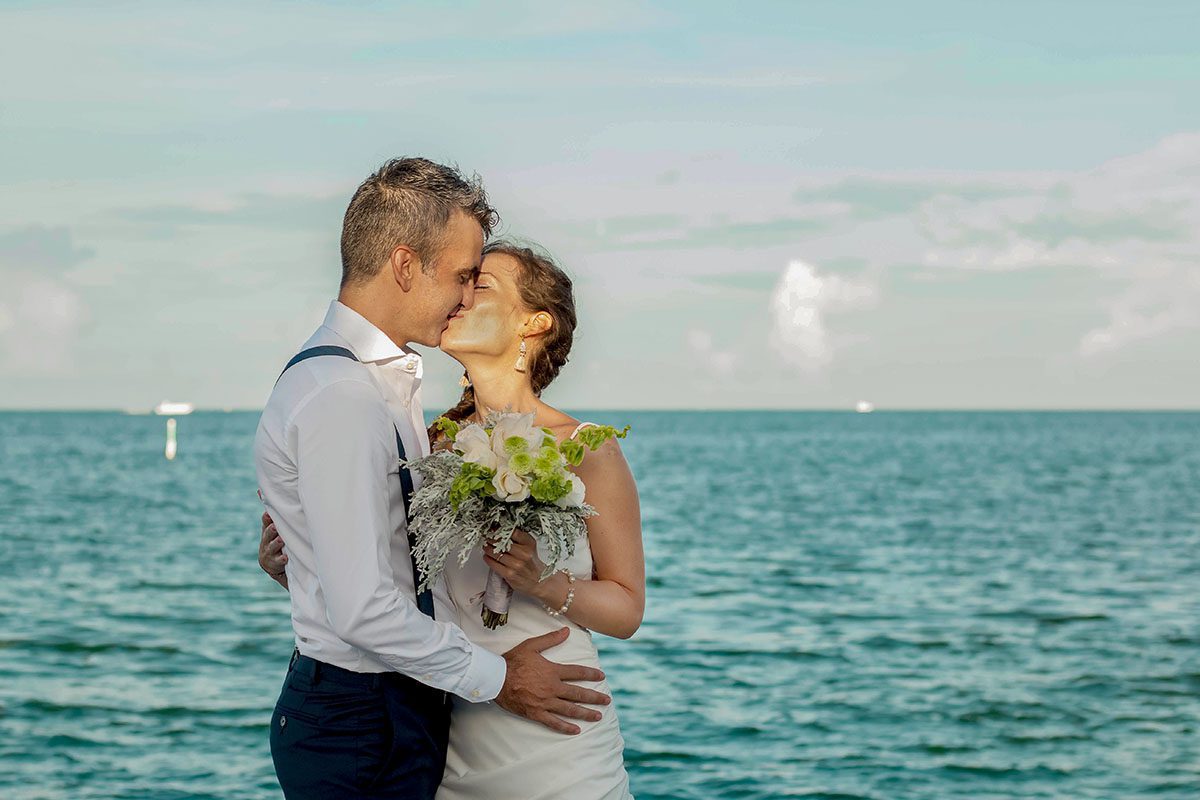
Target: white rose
point(519, 425)
point(510, 487)
point(575, 498)
point(473, 445)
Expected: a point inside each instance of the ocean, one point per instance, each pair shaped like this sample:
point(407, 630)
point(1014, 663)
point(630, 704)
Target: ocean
point(888, 605)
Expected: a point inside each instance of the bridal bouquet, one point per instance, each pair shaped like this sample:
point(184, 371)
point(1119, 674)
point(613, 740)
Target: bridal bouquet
point(495, 478)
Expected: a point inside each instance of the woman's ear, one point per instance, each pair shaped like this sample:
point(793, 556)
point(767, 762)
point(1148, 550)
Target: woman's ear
point(539, 323)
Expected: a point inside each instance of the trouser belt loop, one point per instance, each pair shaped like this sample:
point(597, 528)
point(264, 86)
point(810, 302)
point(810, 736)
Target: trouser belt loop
point(295, 655)
point(376, 681)
point(316, 672)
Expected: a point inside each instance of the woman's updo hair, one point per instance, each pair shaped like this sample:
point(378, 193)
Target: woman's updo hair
point(543, 286)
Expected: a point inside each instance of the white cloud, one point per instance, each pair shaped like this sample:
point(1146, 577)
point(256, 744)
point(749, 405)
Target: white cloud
point(39, 323)
point(41, 313)
point(1163, 300)
point(1135, 220)
point(764, 80)
point(1112, 224)
point(800, 306)
point(1132, 222)
point(721, 361)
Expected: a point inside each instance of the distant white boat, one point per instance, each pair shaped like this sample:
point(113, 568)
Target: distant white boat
point(864, 407)
point(169, 409)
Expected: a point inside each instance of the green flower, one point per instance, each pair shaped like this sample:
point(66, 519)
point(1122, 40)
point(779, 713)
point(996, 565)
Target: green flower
point(591, 438)
point(515, 444)
point(521, 463)
point(472, 479)
point(572, 451)
point(447, 426)
point(548, 488)
point(548, 461)
point(595, 435)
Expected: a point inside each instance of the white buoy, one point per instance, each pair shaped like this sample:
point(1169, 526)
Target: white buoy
point(172, 446)
point(864, 407)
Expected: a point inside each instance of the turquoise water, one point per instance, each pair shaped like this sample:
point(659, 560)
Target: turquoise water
point(894, 605)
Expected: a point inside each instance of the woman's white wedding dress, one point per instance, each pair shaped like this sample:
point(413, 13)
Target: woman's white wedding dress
point(496, 755)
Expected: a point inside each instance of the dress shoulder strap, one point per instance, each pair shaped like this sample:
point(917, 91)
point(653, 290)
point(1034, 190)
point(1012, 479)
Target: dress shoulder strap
point(580, 427)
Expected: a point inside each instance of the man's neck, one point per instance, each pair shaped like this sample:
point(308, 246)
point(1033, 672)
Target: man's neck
point(368, 305)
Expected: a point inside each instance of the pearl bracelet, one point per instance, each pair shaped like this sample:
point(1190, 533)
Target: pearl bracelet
point(570, 596)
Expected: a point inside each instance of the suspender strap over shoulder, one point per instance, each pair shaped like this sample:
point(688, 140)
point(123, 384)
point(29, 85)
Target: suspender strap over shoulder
point(425, 598)
point(321, 350)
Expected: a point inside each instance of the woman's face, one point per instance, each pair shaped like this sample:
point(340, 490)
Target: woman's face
point(491, 326)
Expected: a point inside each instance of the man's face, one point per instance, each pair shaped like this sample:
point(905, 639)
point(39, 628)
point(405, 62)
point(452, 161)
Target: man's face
point(451, 287)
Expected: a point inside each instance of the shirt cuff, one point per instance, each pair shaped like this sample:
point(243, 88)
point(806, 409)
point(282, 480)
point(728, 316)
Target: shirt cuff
point(485, 676)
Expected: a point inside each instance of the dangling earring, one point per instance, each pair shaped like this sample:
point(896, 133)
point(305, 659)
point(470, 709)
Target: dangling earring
point(520, 365)
point(464, 381)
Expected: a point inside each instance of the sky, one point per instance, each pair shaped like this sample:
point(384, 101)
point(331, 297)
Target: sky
point(763, 205)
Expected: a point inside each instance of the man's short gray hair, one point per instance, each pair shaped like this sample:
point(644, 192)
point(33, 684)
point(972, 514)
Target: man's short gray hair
point(407, 201)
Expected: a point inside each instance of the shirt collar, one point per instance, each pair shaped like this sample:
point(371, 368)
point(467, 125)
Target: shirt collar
point(368, 342)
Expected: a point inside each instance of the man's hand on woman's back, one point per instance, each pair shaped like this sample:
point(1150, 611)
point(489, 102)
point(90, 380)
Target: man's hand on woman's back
point(537, 688)
point(271, 557)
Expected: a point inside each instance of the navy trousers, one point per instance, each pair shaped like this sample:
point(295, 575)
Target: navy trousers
point(342, 734)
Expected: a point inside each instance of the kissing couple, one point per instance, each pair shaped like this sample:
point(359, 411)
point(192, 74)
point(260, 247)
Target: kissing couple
point(394, 694)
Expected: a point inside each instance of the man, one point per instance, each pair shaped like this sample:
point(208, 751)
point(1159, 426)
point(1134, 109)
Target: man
point(365, 705)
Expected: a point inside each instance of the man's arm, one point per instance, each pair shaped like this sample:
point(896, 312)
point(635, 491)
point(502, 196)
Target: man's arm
point(344, 444)
point(344, 447)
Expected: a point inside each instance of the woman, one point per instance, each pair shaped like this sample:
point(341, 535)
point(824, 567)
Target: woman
point(512, 342)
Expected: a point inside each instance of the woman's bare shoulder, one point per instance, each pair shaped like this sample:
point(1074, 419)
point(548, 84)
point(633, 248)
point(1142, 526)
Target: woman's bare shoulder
point(561, 424)
point(564, 426)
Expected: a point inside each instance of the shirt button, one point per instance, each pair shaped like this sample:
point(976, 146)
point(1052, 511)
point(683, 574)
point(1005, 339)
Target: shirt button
point(474, 693)
point(427, 678)
point(410, 366)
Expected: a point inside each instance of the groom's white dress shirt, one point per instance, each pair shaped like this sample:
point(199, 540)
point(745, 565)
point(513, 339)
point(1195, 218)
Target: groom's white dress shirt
point(328, 468)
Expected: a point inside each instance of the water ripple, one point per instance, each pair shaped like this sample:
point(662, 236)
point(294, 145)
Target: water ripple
point(841, 606)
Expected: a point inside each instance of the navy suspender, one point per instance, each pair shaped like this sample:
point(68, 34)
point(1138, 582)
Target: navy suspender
point(321, 350)
point(425, 598)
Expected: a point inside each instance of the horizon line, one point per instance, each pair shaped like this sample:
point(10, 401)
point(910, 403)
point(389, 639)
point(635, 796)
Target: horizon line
point(643, 410)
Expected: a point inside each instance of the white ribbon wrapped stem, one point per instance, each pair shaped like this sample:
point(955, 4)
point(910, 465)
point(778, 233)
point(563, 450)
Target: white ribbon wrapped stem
point(497, 597)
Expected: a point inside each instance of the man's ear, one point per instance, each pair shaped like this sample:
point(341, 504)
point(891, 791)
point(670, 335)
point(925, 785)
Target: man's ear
point(404, 263)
